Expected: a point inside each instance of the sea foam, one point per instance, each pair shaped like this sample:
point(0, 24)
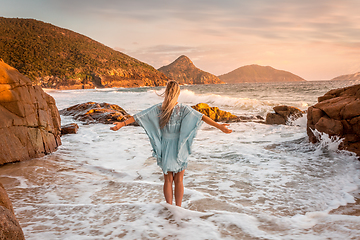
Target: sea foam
point(261, 181)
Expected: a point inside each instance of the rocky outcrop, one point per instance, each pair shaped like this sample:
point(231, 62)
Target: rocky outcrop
point(283, 114)
point(259, 74)
point(215, 113)
point(352, 77)
point(92, 112)
point(337, 113)
point(29, 119)
point(9, 225)
point(184, 72)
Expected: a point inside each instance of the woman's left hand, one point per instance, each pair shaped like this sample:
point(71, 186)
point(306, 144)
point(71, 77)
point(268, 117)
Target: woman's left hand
point(116, 127)
point(224, 128)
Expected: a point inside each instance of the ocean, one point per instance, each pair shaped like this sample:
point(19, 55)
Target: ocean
point(259, 182)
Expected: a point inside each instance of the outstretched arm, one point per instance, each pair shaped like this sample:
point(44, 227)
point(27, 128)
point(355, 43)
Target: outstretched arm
point(119, 125)
point(222, 127)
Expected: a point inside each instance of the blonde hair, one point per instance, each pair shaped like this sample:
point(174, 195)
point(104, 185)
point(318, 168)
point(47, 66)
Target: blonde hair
point(171, 95)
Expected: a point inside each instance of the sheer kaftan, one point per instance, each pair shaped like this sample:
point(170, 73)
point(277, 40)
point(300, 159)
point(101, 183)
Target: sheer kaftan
point(172, 144)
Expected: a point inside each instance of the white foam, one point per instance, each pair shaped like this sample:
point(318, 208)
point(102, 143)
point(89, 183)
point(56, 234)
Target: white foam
point(261, 181)
point(326, 142)
point(242, 105)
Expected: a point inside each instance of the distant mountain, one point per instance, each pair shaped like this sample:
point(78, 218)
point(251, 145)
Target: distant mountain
point(260, 74)
point(55, 57)
point(184, 72)
point(355, 76)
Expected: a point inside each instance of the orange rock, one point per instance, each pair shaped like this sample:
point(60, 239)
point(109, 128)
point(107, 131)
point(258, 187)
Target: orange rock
point(351, 110)
point(29, 119)
point(92, 112)
point(338, 114)
point(274, 118)
point(330, 126)
point(71, 128)
point(9, 225)
point(214, 113)
point(282, 114)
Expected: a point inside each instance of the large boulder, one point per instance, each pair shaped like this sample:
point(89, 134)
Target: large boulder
point(92, 112)
point(337, 113)
point(29, 119)
point(9, 225)
point(283, 114)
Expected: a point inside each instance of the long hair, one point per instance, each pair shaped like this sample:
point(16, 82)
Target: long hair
point(171, 95)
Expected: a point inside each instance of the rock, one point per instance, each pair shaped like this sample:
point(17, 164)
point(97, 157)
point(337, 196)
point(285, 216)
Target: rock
point(71, 128)
point(215, 113)
point(283, 114)
point(329, 126)
point(9, 225)
point(29, 119)
point(4, 199)
point(337, 113)
point(274, 118)
point(92, 112)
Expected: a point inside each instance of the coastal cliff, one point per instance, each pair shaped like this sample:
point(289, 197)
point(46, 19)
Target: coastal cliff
point(29, 118)
point(184, 71)
point(259, 74)
point(54, 57)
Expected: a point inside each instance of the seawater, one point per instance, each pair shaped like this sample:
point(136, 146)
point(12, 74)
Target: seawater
point(259, 182)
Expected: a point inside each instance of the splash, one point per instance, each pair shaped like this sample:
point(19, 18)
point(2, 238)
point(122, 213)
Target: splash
point(326, 142)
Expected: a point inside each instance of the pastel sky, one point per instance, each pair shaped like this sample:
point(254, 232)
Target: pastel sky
point(315, 39)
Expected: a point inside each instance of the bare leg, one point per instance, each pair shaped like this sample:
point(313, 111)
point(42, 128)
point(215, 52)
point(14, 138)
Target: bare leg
point(168, 190)
point(179, 187)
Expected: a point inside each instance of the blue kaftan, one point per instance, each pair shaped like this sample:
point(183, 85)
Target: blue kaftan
point(172, 144)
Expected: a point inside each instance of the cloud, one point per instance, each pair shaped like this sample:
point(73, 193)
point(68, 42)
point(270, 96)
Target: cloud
point(306, 20)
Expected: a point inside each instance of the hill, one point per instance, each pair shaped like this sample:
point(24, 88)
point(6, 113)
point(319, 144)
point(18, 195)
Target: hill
point(55, 57)
point(355, 76)
point(260, 74)
point(184, 72)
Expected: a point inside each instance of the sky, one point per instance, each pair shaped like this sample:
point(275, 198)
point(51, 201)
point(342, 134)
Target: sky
point(314, 39)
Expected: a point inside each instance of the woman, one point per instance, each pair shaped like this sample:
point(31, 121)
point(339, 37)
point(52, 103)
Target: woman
point(171, 128)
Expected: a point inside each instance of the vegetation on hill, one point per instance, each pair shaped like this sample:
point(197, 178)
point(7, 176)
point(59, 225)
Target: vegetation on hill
point(184, 72)
point(256, 73)
point(53, 57)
